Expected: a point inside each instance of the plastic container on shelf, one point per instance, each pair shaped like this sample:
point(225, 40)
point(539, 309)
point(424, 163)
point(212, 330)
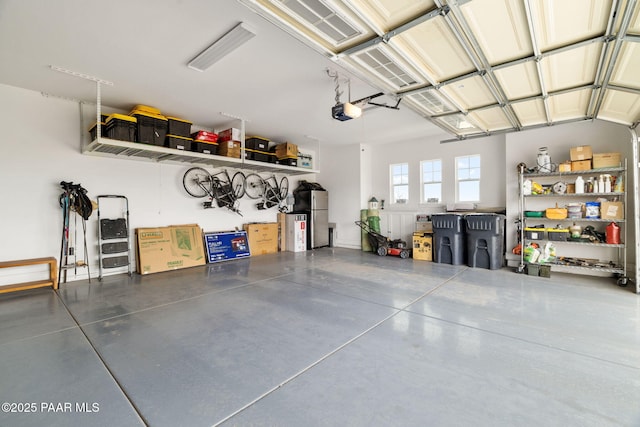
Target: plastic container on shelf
point(121, 127)
point(579, 185)
point(574, 210)
point(152, 128)
point(558, 234)
point(203, 135)
point(178, 127)
point(178, 142)
point(204, 147)
point(592, 210)
point(449, 238)
point(93, 130)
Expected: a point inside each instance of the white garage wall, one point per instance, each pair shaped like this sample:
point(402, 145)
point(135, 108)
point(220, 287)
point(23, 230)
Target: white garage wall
point(341, 177)
point(398, 221)
point(40, 142)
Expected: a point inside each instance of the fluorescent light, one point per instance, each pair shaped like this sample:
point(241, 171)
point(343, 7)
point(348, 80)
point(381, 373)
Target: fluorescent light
point(221, 47)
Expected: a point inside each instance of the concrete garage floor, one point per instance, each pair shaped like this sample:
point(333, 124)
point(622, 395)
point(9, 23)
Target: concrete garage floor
point(332, 337)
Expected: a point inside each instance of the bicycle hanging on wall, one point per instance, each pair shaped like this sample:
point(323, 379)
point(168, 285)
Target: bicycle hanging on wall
point(218, 186)
point(271, 191)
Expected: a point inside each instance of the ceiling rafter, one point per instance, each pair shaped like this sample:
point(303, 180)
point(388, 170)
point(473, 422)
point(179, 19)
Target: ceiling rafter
point(503, 131)
point(472, 47)
point(615, 9)
point(524, 99)
point(537, 54)
point(624, 25)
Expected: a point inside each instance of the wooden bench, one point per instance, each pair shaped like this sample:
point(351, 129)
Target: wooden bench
point(53, 274)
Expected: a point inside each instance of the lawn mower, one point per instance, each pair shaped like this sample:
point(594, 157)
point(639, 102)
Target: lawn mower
point(384, 246)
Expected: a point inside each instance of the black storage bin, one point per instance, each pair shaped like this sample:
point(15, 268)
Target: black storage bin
point(258, 156)
point(204, 147)
point(178, 127)
point(485, 240)
point(121, 127)
point(449, 239)
point(257, 143)
point(93, 130)
point(178, 142)
point(287, 161)
point(152, 128)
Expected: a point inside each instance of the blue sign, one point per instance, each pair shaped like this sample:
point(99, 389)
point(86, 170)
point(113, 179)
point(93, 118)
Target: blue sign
point(226, 245)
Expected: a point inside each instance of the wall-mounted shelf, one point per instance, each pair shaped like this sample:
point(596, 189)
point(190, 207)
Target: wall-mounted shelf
point(106, 147)
point(534, 196)
point(574, 173)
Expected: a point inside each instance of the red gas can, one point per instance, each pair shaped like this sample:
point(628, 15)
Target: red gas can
point(612, 233)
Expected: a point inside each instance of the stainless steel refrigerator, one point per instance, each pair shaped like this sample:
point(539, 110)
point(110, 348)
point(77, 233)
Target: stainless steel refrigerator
point(315, 204)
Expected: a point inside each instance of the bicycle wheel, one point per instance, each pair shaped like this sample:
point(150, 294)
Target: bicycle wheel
point(197, 182)
point(284, 188)
point(254, 186)
point(237, 183)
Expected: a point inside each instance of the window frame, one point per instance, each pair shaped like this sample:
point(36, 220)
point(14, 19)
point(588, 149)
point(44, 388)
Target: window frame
point(470, 168)
point(423, 198)
point(393, 186)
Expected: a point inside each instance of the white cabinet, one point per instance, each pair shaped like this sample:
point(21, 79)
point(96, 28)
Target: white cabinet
point(584, 254)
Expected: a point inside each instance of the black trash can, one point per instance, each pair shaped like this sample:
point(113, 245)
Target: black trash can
point(448, 238)
point(485, 240)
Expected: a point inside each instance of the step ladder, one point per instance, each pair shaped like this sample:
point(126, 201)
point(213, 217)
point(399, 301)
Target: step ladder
point(114, 246)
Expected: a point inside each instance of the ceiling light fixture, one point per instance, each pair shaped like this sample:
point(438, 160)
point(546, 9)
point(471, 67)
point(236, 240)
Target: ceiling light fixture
point(226, 44)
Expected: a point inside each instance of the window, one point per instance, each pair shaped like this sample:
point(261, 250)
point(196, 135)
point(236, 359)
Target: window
point(431, 181)
point(400, 183)
point(468, 178)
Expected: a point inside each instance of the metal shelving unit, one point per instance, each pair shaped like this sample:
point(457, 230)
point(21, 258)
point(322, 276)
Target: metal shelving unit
point(617, 267)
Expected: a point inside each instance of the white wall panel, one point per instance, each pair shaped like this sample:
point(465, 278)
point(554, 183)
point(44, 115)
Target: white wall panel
point(519, 81)
point(575, 67)
point(500, 27)
point(620, 107)
point(570, 105)
point(471, 92)
point(558, 23)
point(385, 15)
point(625, 72)
point(491, 118)
point(530, 112)
point(434, 46)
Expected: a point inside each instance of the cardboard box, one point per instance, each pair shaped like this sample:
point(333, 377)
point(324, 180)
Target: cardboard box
point(582, 152)
point(564, 167)
point(606, 160)
point(424, 227)
point(225, 245)
point(422, 246)
point(282, 228)
point(231, 134)
point(611, 210)
point(581, 165)
point(169, 248)
point(263, 238)
point(229, 149)
point(286, 150)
